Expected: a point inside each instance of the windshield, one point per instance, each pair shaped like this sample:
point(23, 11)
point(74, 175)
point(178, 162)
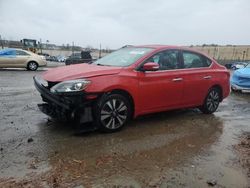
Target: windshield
point(248, 65)
point(123, 57)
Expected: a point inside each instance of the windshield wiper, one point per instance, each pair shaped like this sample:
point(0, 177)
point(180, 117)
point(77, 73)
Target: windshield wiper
point(100, 64)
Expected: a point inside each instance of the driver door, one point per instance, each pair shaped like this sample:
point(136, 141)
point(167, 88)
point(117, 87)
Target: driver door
point(162, 89)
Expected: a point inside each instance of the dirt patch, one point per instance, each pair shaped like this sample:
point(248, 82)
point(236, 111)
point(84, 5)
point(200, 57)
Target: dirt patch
point(67, 173)
point(243, 149)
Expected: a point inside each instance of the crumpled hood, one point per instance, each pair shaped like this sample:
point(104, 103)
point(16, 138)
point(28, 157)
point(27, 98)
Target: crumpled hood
point(244, 72)
point(78, 71)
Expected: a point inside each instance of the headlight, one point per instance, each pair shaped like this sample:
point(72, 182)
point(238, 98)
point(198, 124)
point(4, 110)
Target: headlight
point(70, 86)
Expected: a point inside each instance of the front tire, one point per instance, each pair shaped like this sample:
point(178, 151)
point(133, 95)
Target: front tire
point(32, 66)
point(112, 112)
point(212, 101)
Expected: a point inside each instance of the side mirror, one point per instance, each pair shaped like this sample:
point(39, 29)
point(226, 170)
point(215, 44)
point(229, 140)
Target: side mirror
point(150, 66)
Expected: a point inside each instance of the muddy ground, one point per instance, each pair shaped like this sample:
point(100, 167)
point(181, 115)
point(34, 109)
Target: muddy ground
point(181, 148)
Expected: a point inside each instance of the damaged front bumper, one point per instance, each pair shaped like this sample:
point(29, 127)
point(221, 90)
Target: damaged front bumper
point(65, 106)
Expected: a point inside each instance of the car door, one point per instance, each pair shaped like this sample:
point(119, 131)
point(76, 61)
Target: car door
point(21, 58)
point(7, 58)
point(161, 89)
point(197, 78)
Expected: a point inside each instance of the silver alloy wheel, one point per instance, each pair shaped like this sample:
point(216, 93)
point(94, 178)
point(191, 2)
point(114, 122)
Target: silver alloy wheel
point(213, 100)
point(32, 65)
point(114, 114)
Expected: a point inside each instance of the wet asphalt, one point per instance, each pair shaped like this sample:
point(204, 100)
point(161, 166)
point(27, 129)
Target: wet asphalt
point(181, 148)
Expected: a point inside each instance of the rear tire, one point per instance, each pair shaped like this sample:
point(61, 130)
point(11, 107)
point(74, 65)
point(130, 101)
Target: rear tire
point(112, 112)
point(32, 66)
point(212, 101)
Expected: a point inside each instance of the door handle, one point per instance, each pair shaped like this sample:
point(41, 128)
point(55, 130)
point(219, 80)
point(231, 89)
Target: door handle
point(177, 79)
point(207, 77)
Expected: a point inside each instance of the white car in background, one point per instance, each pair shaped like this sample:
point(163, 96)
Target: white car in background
point(18, 58)
point(238, 65)
point(61, 58)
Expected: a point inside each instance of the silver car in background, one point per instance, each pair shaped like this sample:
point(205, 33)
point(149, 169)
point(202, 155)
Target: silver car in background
point(18, 58)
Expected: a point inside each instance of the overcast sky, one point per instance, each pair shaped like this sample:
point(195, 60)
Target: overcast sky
point(115, 23)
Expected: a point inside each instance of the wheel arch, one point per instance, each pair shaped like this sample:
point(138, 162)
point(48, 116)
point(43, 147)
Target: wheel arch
point(220, 89)
point(127, 95)
point(30, 61)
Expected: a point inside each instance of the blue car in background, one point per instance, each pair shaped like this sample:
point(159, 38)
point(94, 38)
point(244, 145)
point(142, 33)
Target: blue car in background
point(240, 79)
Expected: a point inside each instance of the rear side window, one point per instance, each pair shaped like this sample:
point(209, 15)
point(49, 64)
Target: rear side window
point(22, 53)
point(7, 52)
point(194, 60)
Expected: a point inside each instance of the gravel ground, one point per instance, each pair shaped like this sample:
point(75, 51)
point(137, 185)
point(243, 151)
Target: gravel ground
point(181, 148)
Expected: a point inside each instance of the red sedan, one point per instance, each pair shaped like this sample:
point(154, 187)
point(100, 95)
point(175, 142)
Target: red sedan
point(133, 81)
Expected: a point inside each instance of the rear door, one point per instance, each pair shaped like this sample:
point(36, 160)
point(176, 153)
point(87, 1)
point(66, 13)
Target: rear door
point(7, 58)
point(197, 78)
point(21, 58)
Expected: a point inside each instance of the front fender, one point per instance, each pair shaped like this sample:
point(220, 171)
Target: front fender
point(104, 84)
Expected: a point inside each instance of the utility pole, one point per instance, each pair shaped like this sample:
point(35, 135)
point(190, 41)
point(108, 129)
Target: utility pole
point(218, 53)
point(73, 47)
point(244, 52)
point(41, 46)
point(1, 41)
point(247, 58)
point(233, 53)
point(100, 51)
point(47, 44)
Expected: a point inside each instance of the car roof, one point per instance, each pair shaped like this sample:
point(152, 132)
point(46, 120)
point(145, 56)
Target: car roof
point(7, 49)
point(162, 47)
point(158, 47)
point(12, 49)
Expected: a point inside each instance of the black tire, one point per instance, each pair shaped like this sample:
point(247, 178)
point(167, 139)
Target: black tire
point(112, 112)
point(211, 101)
point(235, 90)
point(67, 62)
point(32, 66)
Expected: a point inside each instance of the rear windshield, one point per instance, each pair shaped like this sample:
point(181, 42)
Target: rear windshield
point(123, 57)
point(7, 52)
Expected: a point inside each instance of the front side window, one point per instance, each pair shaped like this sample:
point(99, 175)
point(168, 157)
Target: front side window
point(123, 57)
point(167, 60)
point(193, 60)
